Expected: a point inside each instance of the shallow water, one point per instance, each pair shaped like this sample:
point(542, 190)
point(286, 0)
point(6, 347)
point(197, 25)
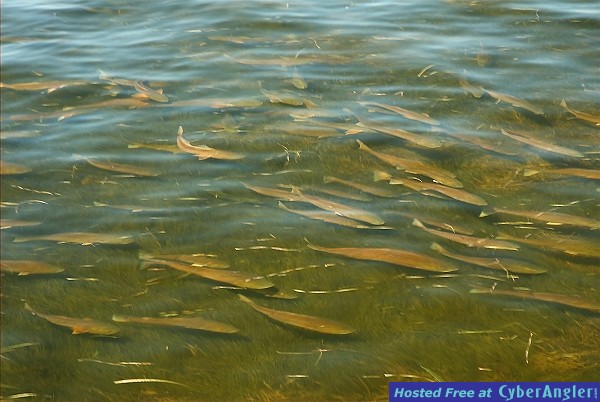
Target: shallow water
point(227, 59)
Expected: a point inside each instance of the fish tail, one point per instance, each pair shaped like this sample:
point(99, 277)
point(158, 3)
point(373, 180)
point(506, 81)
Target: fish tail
point(418, 223)
point(28, 308)
point(119, 318)
point(379, 175)
point(21, 239)
point(361, 145)
point(563, 104)
point(245, 299)
point(438, 248)
point(487, 212)
point(328, 179)
point(530, 172)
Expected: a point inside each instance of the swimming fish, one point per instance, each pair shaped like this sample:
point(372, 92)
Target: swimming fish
point(154, 94)
point(503, 264)
point(414, 166)
point(330, 217)
point(421, 140)
point(551, 218)
point(12, 223)
point(565, 300)
point(78, 325)
point(203, 151)
point(198, 260)
point(409, 114)
point(83, 238)
point(381, 192)
point(13, 168)
point(29, 267)
point(199, 323)
point(469, 241)
point(454, 193)
point(234, 278)
point(585, 173)
point(122, 168)
point(307, 322)
point(391, 256)
point(513, 100)
point(527, 139)
point(581, 115)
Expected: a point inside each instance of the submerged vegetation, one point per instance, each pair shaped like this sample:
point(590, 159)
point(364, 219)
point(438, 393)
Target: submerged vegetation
point(271, 215)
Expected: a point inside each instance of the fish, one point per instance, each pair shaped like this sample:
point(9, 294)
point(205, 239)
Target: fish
point(287, 99)
point(330, 217)
point(455, 193)
point(391, 256)
point(297, 81)
point(526, 139)
point(569, 245)
point(302, 321)
point(342, 209)
point(585, 173)
point(551, 218)
point(216, 103)
point(29, 267)
point(439, 175)
point(36, 86)
point(78, 325)
point(336, 207)
point(455, 228)
point(421, 140)
point(516, 102)
point(12, 223)
point(476, 91)
point(83, 238)
point(7, 168)
point(155, 95)
point(581, 115)
point(409, 114)
point(380, 192)
point(204, 152)
point(564, 300)
point(469, 241)
point(157, 147)
point(296, 61)
point(9, 135)
point(198, 260)
point(503, 264)
point(234, 278)
point(199, 323)
point(274, 192)
point(122, 168)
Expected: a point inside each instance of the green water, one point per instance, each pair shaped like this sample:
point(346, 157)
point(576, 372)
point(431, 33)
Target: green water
point(410, 325)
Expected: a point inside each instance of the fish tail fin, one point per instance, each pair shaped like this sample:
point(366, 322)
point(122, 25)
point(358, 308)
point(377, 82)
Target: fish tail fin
point(28, 308)
point(437, 247)
point(487, 212)
point(328, 179)
point(418, 223)
point(118, 318)
point(20, 239)
point(245, 299)
point(361, 145)
point(530, 172)
point(380, 175)
point(563, 104)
